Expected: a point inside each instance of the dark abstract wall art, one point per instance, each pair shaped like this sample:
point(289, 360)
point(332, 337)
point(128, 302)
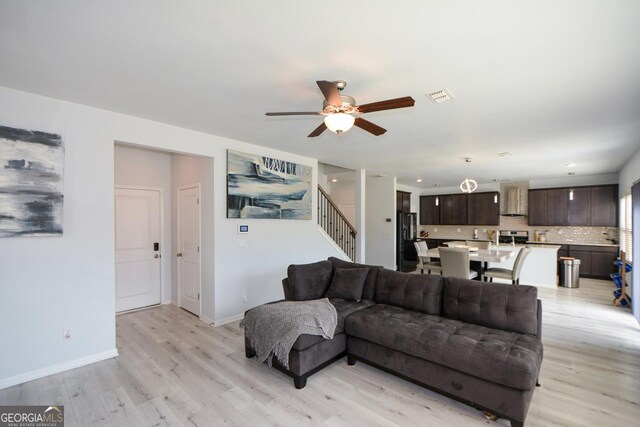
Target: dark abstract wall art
point(265, 187)
point(31, 183)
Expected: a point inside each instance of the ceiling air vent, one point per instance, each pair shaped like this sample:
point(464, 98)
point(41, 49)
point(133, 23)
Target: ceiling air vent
point(440, 96)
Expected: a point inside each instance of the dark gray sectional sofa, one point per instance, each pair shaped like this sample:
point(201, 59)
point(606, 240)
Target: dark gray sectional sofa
point(475, 342)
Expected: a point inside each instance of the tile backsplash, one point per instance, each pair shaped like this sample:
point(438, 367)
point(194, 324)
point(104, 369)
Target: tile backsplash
point(589, 235)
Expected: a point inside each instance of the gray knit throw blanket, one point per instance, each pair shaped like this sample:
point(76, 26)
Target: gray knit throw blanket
point(272, 329)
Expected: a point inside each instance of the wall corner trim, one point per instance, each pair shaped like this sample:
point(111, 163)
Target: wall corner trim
point(57, 368)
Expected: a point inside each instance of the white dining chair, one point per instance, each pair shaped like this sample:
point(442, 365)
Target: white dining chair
point(505, 273)
point(455, 263)
point(425, 263)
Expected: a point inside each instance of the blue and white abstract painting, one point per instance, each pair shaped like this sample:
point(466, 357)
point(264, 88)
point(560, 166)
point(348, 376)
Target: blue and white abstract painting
point(264, 187)
point(31, 183)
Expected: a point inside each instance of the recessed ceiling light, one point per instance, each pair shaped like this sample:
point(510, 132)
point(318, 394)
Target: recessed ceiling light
point(419, 180)
point(570, 165)
point(334, 180)
point(440, 96)
point(504, 154)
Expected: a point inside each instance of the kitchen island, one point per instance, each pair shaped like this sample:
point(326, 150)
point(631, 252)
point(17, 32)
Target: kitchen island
point(540, 268)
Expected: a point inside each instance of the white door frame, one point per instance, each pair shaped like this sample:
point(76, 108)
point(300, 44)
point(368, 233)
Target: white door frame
point(161, 234)
point(185, 187)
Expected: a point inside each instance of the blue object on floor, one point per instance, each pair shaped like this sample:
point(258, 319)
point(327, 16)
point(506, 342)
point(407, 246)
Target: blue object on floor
point(618, 263)
point(617, 294)
point(617, 279)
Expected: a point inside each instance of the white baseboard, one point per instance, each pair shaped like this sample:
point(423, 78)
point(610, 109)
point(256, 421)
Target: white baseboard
point(229, 319)
point(167, 302)
point(54, 369)
point(206, 319)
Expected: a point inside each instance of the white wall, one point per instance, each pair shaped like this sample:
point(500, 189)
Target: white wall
point(52, 283)
point(381, 205)
point(137, 167)
point(344, 192)
point(187, 170)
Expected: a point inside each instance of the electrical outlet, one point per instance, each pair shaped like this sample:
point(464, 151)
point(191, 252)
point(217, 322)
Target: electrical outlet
point(484, 230)
point(244, 296)
point(458, 230)
point(66, 334)
point(435, 230)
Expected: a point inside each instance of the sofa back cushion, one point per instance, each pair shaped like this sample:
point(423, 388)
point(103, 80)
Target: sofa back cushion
point(369, 282)
point(309, 281)
point(418, 292)
point(494, 305)
point(347, 283)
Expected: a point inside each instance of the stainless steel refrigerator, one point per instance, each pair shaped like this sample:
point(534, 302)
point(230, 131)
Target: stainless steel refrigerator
point(406, 256)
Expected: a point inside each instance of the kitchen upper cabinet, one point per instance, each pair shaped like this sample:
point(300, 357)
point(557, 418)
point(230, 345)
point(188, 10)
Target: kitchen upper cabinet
point(453, 209)
point(537, 207)
point(429, 210)
point(403, 202)
point(579, 210)
point(483, 208)
point(557, 204)
point(577, 206)
point(604, 206)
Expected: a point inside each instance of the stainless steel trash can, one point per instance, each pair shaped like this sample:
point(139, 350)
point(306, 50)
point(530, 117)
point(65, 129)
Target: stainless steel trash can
point(569, 273)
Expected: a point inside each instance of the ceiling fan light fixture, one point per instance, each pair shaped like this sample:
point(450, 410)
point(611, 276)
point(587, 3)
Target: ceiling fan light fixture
point(339, 122)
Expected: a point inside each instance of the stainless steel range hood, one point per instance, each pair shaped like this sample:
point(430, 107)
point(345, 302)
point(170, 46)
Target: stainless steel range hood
point(514, 205)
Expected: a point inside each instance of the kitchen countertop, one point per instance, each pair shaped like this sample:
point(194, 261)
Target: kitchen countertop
point(609, 245)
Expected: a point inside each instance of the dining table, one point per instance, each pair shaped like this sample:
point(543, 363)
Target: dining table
point(483, 256)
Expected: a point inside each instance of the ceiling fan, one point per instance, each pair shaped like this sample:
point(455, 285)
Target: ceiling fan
point(341, 111)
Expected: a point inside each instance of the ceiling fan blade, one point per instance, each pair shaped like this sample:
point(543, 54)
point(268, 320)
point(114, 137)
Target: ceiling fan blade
point(330, 92)
point(369, 127)
point(294, 113)
point(389, 104)
point(318, 130)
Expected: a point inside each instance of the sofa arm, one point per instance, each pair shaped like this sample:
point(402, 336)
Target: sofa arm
point(539, 333)
point(285, 288)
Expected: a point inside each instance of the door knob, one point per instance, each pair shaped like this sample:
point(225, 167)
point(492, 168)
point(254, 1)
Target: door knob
point(156, 256)
point(179, 254)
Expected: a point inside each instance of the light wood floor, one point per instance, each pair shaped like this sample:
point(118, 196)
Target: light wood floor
point(175, 370)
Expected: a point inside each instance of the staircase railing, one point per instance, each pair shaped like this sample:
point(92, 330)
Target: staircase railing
point(336, 224)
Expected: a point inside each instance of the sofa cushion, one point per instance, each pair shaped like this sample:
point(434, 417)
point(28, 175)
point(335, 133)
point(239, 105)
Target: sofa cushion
point(503, 357)
point(347, 283)
point(344, 308)
point(495, 305)
point(309, 281)
point(369, 283)
point(420, 292)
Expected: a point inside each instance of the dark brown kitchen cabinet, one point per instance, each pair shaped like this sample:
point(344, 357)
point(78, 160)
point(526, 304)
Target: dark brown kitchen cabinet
point(403, 202)
point(537, 207)
point(604, 206)
point(429, 210)
point(453, 209)
point(483, 208)
point(585, 260)
point(595, 261)
point(557, 201)
point(579, 206)
point(595, 206)
point(602, 263)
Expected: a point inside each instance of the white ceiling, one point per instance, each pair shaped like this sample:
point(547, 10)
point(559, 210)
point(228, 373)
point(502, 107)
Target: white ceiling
point(550, 82)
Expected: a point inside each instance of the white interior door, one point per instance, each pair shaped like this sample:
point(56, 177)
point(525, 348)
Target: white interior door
point(189, 248)
point(137, 217)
